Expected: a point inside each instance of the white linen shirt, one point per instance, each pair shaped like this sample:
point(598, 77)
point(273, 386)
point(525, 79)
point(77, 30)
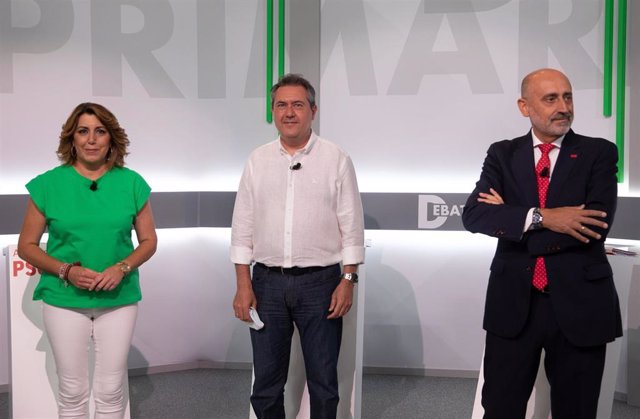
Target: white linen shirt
point(307, 217)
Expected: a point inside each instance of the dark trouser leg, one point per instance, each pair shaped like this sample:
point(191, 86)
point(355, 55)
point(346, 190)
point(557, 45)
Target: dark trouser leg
point(271, 345)
point(509, 375)
point(574, 374)
point(320, 339)
point(511, 366)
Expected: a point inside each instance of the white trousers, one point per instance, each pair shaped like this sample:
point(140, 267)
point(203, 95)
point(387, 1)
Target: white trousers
point(70, 332)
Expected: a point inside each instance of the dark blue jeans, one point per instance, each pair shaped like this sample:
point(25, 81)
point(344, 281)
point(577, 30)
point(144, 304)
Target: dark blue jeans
point(304, 300)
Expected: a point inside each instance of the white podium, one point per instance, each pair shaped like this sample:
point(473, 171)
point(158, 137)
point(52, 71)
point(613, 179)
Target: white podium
point(33, 383)
point(626, 274)
point(633, 341)
point(296, 396)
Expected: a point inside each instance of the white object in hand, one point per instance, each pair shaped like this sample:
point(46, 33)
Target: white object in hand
point(256, 324)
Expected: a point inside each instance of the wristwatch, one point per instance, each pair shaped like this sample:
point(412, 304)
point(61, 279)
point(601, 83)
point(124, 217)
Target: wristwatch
point(536, 219)
point(350, 276)
point(125, 268)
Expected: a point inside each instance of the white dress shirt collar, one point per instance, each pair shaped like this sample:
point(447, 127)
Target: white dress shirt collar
point(304, 150)
point(537, 142)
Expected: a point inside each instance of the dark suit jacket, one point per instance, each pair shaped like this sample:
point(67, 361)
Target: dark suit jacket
point(583, 294)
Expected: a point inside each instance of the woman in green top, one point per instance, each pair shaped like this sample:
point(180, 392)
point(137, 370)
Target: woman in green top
point(89, 285)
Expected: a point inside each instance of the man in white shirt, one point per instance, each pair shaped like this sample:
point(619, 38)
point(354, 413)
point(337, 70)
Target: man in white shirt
point(297, 215)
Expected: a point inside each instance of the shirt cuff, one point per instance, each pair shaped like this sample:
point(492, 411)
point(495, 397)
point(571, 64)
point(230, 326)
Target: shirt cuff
point(353, 255)
point(528, 221)
point(241, 255)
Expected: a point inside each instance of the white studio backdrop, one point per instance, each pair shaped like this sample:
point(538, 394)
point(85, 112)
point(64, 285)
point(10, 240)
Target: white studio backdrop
point(415, 91)
point(184, 77)
point(418, 90)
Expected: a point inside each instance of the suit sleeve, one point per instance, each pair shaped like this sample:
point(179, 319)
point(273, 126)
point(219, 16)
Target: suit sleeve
point(502, 221)
point(601, 194)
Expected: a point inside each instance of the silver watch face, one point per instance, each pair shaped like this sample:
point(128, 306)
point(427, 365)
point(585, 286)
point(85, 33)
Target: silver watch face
point(353, 277)
point(536, 219)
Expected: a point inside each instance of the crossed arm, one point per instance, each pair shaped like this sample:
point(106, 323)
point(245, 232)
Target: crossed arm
point(573, 221)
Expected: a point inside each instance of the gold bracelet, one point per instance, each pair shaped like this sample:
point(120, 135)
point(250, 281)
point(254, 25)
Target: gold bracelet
point(125, 268)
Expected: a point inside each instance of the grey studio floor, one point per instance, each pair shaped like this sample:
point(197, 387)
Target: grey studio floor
point(224, 394)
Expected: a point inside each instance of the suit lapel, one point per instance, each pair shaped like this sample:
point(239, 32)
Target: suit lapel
point(569, 154)
point(524, 170)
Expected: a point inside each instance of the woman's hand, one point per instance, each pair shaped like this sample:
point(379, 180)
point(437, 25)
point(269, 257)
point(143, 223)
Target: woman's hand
point(492, 198)
point(82, 278)
point(108, 279)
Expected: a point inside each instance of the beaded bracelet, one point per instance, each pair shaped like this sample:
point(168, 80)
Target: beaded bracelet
point(63, 272)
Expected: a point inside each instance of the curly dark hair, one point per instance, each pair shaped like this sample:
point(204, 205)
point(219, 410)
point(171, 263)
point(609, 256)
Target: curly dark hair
point(119, 139)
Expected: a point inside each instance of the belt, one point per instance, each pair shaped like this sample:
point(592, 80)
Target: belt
point(295, 271)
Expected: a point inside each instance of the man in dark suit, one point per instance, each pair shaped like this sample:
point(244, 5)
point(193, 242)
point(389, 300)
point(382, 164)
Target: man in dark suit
point(549, 197)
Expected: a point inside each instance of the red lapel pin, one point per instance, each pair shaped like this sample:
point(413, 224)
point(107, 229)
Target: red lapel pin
point(573, 156)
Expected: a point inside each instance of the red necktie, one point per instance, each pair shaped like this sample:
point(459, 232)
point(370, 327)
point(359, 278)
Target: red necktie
point(543, 171)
